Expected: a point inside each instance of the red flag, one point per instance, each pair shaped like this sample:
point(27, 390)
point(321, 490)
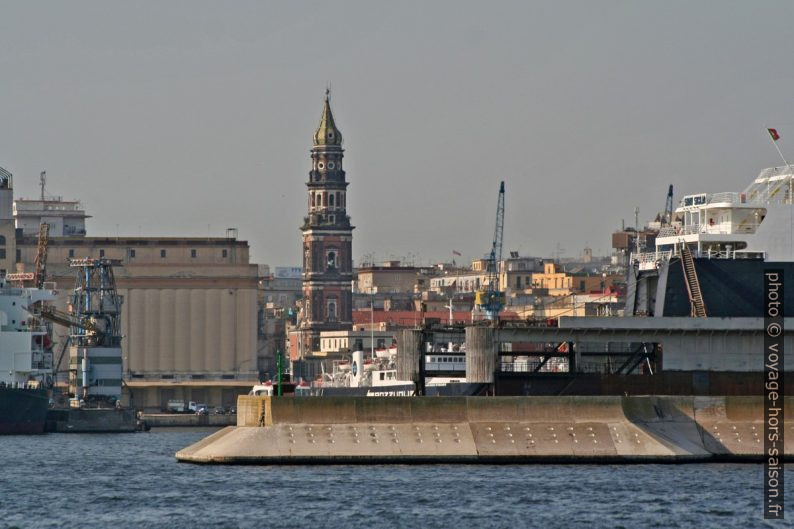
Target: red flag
point(774, 134)
point(455, 252)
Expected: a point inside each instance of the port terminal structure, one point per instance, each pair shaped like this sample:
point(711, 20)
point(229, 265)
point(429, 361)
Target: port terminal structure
point(624, 356)
point(697, 398)
point(368, 430)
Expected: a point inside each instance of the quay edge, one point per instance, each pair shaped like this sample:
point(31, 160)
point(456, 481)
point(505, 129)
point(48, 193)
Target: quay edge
point(571, 429)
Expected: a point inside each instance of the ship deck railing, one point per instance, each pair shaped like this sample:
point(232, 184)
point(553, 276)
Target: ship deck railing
point(715, 229)
point(649, 260)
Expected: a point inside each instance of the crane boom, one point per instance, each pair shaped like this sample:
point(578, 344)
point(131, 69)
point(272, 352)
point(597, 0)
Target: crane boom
point(667, 219)
point(489, 298)
point(67, 319)
point(41, 255)
point(496, 249)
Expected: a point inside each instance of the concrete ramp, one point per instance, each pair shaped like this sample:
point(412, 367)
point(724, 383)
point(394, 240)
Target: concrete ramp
point(487, 429)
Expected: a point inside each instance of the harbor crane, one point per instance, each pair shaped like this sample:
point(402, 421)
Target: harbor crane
point(667, 217)
point(35, 279)
point(490, 298)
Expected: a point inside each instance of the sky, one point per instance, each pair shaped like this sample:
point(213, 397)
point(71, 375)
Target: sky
point(184, 118)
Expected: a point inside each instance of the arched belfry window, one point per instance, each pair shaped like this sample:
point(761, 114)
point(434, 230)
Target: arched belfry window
point(331, 200)
point(331, 257)
point(331, 310)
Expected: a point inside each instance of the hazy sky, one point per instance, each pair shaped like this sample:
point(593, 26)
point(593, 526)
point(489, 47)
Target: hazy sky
point(166, 117)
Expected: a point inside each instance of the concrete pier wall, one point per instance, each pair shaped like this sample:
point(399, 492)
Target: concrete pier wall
point(493, 429)
point(409, 346)
point(480, 354)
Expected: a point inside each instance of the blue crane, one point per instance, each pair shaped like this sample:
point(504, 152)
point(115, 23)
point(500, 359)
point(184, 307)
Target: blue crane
point(491, 298)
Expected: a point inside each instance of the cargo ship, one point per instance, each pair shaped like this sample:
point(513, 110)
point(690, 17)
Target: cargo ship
point(25, 360)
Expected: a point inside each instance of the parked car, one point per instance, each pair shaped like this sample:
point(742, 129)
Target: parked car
point(202, 410)
point(233, 410)
point(219, 411)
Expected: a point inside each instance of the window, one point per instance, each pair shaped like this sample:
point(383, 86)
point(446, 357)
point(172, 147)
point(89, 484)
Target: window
point(101, 253)
point(71, 252)
point(331, 310)
point(2, 253)
point(225, 254)
point(2, 240)
point(162, 254)
point(132, 254)
point(193, 253)
point(331, 200)
point(330, 260)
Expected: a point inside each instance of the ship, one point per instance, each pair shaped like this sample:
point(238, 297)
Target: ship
point(25, 360)
point(710, 260)
point(376, 376)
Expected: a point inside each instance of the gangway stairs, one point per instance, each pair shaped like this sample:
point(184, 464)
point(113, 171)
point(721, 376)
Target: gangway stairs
point(692, 283)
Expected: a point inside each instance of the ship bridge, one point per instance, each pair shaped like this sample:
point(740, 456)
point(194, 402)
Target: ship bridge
point(753, 223)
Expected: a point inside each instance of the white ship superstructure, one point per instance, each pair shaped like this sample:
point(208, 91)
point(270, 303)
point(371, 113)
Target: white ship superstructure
point(25, 353)
point(754, 223)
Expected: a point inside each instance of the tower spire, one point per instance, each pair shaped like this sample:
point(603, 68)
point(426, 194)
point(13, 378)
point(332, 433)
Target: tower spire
point(327, 133)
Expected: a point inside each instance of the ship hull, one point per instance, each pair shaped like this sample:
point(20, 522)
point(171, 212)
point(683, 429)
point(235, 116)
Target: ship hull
point(22, 411)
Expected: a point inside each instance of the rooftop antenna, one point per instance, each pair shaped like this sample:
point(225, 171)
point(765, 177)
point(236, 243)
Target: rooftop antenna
point(42, 183)
point(637, 228)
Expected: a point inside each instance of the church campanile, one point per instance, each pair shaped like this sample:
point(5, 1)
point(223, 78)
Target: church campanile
point(327, 239)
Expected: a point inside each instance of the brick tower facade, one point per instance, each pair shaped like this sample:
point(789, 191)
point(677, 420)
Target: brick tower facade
point(327, 239)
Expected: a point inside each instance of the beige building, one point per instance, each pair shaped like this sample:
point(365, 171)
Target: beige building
point(189, 317)
point(459, 282)
point(392, 278)
point(355, 340)
point(555, 281)
point(65, 217)
point(515, 273)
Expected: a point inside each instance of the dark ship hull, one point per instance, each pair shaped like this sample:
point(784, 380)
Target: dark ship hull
point(23, 411)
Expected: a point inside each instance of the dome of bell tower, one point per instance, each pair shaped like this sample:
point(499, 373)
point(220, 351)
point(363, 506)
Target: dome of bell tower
point(327, 133)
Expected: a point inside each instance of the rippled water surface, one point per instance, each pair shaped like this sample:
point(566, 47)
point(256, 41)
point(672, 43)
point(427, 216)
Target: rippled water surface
point(133, 480)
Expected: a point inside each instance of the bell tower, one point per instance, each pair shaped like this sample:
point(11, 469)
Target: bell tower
point(327, 239)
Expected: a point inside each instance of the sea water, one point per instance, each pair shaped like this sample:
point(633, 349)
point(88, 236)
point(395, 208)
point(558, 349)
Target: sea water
point(133, 480)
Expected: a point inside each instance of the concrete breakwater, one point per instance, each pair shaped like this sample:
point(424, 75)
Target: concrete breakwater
point(490, 429)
